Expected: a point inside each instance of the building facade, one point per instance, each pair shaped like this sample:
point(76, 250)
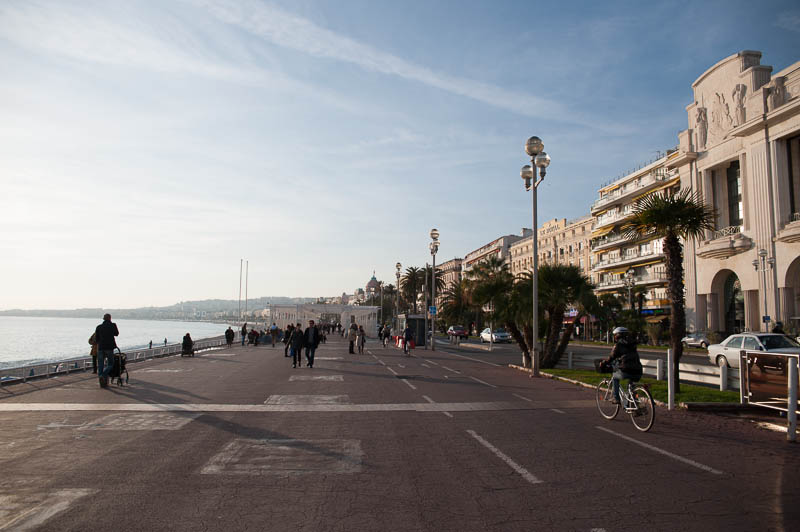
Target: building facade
point(741, 152)
point(500, 248)
point(450, 273)
point(623, 265)
point(561, 241)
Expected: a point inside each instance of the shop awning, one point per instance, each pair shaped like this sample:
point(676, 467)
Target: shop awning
point(656, 319)
point(602, 232)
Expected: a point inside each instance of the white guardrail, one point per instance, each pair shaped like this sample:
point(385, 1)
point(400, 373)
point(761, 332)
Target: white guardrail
point(64, 367)
point(725, 378)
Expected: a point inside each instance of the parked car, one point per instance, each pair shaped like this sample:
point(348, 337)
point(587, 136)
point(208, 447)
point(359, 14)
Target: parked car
point(727, 352)
point(696, 339)
point(457, 330)
point(499, 335)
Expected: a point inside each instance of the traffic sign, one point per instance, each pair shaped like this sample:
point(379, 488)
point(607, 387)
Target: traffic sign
point(765, 319)
point(432, 310)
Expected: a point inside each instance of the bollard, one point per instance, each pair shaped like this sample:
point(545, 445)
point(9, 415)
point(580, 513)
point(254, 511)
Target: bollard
point(670, 381)
point(569, 360)
point(659, 369)
point(723, 377)
point(791, 413)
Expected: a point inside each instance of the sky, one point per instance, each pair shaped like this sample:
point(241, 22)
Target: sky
point(147, 147)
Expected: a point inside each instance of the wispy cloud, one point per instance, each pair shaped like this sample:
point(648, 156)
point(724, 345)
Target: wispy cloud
point(300, 34)
point(789, 21)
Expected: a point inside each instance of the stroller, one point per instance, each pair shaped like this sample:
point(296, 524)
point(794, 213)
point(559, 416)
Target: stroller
point(119, 368)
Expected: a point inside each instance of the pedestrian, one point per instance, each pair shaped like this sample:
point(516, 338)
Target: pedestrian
point(296, 345)
point(229, 334)
point(286, 334)
point(93, 352)
point(351, 337)
point(187, 345)
point(361, 339)
point(244, 333)
point(387, 335)
point(311, 339)
point(273, 331)
point(151, 345)
point(106, 343)
point(165, 342)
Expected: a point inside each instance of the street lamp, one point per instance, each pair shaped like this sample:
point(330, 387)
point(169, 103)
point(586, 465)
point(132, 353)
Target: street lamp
point(397, 296)
point(539, 159)
point(629, 282)
point(434, 246)
point(760, 264)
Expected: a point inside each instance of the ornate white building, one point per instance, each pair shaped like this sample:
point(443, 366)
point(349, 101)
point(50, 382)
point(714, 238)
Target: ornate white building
point(742, 153)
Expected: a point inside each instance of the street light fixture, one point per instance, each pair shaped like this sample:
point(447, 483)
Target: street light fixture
point(434, 246)
point(629, 283)
point(539, 159)
point(760, 264)
point(397, 297)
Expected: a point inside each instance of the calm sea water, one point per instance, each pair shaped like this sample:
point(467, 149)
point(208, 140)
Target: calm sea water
point(35, 340)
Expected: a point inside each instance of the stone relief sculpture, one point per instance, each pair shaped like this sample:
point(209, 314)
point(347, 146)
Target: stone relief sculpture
point(721, 120)
point(777, 93)
point(701, 124)
point(738, 100)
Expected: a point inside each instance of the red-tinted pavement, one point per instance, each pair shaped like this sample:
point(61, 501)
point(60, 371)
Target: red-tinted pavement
point(238, 440)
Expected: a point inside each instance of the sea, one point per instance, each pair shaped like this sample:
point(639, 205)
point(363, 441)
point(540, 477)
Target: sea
point(32, 340)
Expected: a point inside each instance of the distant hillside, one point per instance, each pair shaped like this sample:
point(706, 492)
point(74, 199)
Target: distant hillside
point(207, 308)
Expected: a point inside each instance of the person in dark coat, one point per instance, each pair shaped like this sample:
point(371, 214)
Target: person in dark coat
point(229, 334)
point(286, 335)
point(187, 346)
point(296, 344)
point(625, 359)
point(311, 339)
point(105, 334)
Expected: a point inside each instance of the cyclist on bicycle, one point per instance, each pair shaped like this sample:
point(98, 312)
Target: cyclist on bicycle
point(408, 336)
point(625, 359)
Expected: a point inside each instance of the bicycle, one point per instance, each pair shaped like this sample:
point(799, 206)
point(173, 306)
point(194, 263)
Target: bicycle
point(636, 400)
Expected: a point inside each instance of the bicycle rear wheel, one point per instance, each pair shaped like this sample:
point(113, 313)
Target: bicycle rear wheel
point(604, 395)
point(645, 413)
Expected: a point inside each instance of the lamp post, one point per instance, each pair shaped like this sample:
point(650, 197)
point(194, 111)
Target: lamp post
point(760, 264)
point(539, 159)
point(629, 282)
point(397, 297)
point(380, 318)
point(434, 246)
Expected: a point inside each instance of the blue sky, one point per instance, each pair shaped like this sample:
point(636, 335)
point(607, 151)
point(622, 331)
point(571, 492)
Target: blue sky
point(146, 147)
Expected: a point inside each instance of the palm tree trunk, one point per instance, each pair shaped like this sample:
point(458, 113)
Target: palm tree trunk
point(549, 359)
point(565, 338)
point(520, 339)
point(677, 325)
point(527, 332)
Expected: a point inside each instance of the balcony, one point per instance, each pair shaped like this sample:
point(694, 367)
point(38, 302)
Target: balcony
point(629, 258)
point(725, 242)
point(656, 176)
point(791, 231)
point(651, 278)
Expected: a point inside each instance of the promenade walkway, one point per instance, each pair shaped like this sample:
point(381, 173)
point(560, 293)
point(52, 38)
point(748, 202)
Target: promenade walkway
point(235, 439)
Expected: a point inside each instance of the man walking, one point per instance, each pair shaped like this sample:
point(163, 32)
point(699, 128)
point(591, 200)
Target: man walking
point(296, 344)
point(229, 334)
point(105, 333)
point(311, 340)
point(244, 333)
point(273, 331)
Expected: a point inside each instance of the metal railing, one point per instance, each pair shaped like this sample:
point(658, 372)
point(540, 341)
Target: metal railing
point(727, 231)
point(795, 217)
point(64, 367)
point(628, 257)
point(655, 176)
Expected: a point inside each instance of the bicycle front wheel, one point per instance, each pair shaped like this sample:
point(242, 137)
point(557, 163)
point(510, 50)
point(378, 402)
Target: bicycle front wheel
point(645, 413)
point(604, 395)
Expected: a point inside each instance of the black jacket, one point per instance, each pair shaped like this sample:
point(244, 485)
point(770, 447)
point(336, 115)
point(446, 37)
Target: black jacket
point(625, 353)
point(311, 337)
point(297, 339)
point(105, 333)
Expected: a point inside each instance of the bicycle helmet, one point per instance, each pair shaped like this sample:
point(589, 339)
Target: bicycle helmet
point(620, 330)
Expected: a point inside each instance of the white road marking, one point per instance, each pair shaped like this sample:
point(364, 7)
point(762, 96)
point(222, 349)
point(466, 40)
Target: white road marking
point(382, 362)
point(141, 421)
point(163, 370)
point(390, 369)
point(409, 384)
point(337, 378)
point(557, 411)
point(24, 511)
point(515, 466)
point(308, 400)
point(662, 451)
point(400, 366)
point(431, 362)
point(598, 530)
point(448, 414)
point(452, 370)
point(196, 407)
point(425, 366)
point(220, 355)
point(328, 358)
point(474, 359)
point(483, 382)
point(523, 398)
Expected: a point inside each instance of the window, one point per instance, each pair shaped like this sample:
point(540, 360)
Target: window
point(750, 344)
point(734, 180)
point(734, 342)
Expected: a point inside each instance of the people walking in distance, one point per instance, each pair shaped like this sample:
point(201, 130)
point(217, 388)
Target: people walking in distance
point(273, 332)
point(187, 345)
point(286, 335)
point(229, 334)
point(151, 345)
point(244, 333)
point(408, 337)
point(93, 351)
point(106, 343)
point(296, 345)
point(311, 339)
point(351, 337)
point(625, 360)
point(361, 339)
point(387, 335)
point(165, 342)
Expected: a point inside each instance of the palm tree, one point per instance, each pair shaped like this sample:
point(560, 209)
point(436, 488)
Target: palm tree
point(491, 282)
point(456, 303)
point(672, 217)
point(411, 284)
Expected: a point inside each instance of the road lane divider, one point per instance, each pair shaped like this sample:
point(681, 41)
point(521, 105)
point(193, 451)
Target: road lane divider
point(431, 401)
point(483, 382)
point(452, 370)
point(674, 456)
point(527, 475)
point(431, 362)
point(521, 397)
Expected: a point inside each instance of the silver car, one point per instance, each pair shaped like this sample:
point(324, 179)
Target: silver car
point(696, 339)
point(498, 336)
point(727, 353)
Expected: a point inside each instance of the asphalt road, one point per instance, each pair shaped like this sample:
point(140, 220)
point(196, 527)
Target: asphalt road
point(446, 440)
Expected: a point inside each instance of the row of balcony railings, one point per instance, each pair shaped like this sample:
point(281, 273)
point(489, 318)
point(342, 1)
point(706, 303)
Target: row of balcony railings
point(72, 365)
point(646, 278)
point(637, 254)
point(654, 176)
point(727, 231)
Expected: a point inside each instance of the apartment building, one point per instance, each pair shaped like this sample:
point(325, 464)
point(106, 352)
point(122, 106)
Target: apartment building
point(742, 153)
point(450, 273)
point(500, 247)
point(560, 241)
point(617, 260)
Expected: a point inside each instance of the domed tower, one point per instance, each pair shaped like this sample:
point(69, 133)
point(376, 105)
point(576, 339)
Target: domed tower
point(373, 286)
